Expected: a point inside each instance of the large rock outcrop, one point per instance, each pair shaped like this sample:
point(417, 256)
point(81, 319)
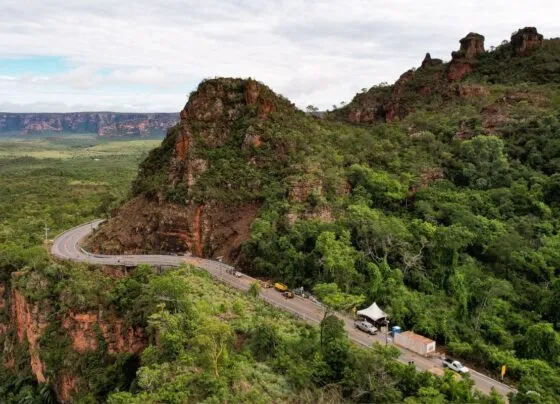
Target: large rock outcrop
point(237, 146)
point(464, 60)
point(85, 329)
point(223, 123)
point(436, 83)
point(526, 39)
point(24, 323)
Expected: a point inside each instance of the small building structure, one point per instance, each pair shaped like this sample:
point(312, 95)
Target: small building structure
point(373, 313)
point(415, 343)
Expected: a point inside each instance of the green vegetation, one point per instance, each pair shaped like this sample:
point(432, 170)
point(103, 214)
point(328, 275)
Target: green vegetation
point(60, 182)
point(456, 239)
point(447, 218)
point(66, 183)
point(204, 341)
point(540, 66)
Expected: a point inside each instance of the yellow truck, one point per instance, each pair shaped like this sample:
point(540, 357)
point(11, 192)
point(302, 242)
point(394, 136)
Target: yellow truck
point(280, 287)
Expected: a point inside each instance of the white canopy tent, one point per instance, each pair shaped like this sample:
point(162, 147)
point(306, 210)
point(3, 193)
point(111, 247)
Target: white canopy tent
point(373, 312)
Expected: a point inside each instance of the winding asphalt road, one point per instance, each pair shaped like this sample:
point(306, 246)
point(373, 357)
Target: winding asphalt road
point(67, 246)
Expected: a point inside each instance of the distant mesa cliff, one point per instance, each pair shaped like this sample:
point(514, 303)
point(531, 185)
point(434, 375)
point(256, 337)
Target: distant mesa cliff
point(106, 124)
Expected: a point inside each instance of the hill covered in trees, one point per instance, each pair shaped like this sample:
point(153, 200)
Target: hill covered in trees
point(437, 197)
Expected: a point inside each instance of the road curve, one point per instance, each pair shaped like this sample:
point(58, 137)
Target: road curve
point(67, 246)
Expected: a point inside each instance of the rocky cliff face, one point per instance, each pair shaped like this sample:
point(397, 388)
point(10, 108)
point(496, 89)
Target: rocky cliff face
point(209, 219)
point(29, 321)
point(237, 143)
point(107, 124)
point(526, 39)
point(23, 324)
point(464, 61)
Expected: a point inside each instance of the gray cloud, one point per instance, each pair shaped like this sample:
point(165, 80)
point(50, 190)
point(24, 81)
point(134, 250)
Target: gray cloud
point(146, 55)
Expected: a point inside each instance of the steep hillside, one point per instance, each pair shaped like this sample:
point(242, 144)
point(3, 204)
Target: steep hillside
point(437, 197)
point(106, 124)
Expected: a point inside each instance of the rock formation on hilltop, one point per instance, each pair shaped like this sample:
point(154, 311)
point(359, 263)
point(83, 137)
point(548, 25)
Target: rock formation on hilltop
point(464, 60)
point(200, 191)
point(106, 124)
point(435, 82)
point(526, 39)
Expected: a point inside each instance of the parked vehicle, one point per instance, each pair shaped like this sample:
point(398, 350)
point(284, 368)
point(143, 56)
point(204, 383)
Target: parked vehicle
point(365, 327)
point(280, 287)
point(455, 366)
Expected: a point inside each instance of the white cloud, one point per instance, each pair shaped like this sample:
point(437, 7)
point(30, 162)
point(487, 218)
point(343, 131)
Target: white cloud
point(146, 55)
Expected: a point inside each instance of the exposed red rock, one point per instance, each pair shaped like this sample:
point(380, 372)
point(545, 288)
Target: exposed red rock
point(251, 93)
point(464, 60)
point(30, 320)
point(526, 39)
point(457, 69)
point(150, 223)
point(121, 337)
point(81, 330)
point(145, 226)
point(498, 113)
point(253, 139)
point(3, 326)
point(302, 188)
point(195, 242)
point(426, 177)
point(66, 386)
point(85, 329)
point(468, 91)
point(471, 46)
point(2, 297)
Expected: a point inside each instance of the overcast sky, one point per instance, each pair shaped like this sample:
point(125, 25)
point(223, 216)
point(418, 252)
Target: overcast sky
point(125, 55)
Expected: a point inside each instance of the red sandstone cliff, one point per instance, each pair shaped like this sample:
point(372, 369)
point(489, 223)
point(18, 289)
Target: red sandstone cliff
point(464, 61)
point(526, 39)
point(208, 227)
point(29, 320)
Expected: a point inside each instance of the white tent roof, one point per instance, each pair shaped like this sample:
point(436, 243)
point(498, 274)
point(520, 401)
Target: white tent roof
point(373, 312)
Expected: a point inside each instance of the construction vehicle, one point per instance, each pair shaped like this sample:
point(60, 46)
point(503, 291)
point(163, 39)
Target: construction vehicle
point(280, 287)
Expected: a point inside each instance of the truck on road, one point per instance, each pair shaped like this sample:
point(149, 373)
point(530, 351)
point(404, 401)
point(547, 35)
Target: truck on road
point(455, 366)
point(280, 287)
